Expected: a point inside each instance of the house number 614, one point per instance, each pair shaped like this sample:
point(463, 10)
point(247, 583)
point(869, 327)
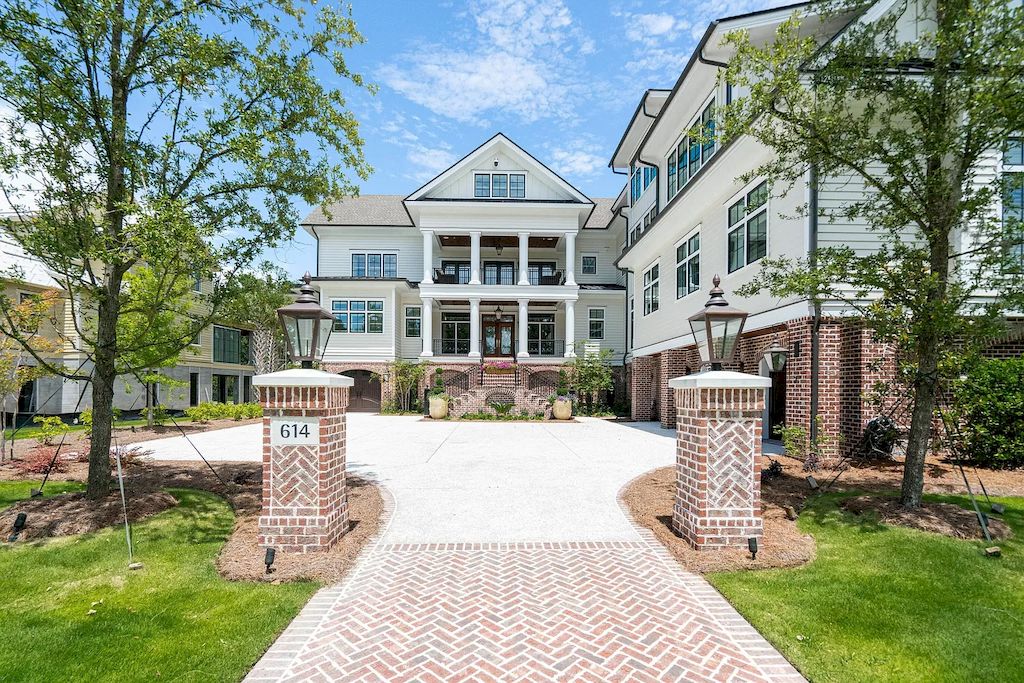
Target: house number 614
point(291, 430)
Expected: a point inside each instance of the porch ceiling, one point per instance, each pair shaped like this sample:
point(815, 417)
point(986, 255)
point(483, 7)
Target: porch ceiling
point(538, 242)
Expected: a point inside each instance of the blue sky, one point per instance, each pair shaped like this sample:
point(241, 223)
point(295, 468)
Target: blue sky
point(561, 78)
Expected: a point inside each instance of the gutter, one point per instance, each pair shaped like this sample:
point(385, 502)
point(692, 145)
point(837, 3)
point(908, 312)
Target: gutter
point(812, 246)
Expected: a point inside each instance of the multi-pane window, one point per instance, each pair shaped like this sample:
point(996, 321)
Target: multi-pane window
point(588, 265)
point(651, 290)
point(748, 228)
point(499, 185)
point(540, 334)
point(1013, 201)
point(596, 318)
point(671, 174)
point(636, 184)
point(707, 130)
point(538, 269)
point(651, 215)
point(692, 151)
point(517, 185)
point(632, 313)
point(499, 273)
point(650, 173)
point(375, 265)
point(454, 333)
point(230, 345)
point(197, 283)
point(358, 316)
point(413, 321)
point(688, 266)
point(461, 270)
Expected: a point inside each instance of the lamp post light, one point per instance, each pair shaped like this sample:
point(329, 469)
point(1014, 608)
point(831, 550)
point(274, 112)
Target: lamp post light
point(775, 356)
point(306, 325)
point(717, 328)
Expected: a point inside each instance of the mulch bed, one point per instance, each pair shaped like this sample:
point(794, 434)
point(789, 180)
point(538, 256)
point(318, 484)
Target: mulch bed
point(72, 513)
point(650, 498)
point(938, 518)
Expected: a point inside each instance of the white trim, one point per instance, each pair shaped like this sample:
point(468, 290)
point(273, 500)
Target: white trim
point(644, 285)
point(596, 258)
point(720, 379)
point(603, 320)
point(301, 377)
point(675, 258)
point(745, 221)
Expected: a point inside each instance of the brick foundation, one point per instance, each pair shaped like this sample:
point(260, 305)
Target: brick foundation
point(305, 503)
point(718, 463)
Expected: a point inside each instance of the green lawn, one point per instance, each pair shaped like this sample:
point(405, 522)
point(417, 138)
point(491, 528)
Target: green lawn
point(31, 431)
point(888, 604)
point(174, 620)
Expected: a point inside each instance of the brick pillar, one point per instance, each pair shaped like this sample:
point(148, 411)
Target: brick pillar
point(718, 458)
point(305, 503)
point(672, 363)
point(641, 388)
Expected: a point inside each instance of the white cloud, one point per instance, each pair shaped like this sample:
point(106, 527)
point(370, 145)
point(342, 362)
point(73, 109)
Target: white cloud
point(520, 58)
point(578, 160)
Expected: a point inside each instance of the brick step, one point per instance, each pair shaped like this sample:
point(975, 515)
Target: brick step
point(479, 398)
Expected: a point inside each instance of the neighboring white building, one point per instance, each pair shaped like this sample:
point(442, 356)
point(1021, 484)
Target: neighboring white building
point(496, 259)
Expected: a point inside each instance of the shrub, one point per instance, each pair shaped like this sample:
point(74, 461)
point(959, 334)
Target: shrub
point(37, 461)
point(160, 416)
point(50, 427)
point(438, 390)
point(205, 412)
point(502, 408)
point(130, 456)
point(85, 418)
point(988, 407)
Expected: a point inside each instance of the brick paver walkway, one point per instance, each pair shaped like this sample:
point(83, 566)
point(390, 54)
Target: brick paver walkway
point(587, 610)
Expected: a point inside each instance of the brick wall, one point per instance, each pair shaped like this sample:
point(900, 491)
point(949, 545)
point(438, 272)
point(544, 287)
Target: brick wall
point(642, 388)
point(305, 503)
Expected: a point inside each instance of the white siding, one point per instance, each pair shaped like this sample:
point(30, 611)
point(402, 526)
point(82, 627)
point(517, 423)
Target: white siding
point(605, 245)
point(362, 346)
point(462, 186)
point(614, 306)
point(337, 244)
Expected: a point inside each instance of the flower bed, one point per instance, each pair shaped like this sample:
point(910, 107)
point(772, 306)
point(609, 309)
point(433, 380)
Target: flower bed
point(499, 368)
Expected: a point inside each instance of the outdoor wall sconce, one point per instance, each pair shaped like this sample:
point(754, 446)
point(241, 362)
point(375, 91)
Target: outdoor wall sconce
point(717, 328)
point(498, 249)
point(775, 356)
point(752, 547)
point(497, 314)
point(269, 558)
point(307, 326)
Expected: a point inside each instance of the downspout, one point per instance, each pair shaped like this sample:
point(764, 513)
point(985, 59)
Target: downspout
point(812, 245)
point(312, 229)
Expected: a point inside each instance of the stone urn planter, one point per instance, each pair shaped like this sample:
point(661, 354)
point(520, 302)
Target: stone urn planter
point(561, 409)
point(439, 407)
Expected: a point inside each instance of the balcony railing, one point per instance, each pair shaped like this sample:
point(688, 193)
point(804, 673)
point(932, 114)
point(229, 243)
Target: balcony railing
point(535, 347)
point(442, 278)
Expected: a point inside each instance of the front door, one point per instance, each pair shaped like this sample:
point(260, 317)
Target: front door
point(776, 405)
point(499, 336)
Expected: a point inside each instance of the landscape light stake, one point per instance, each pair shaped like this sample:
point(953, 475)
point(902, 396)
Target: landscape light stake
point(752, 547)
point(268, 559)
point(19, 526)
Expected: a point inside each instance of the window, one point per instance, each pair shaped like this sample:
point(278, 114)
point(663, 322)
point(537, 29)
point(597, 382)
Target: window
point(375, 265)
point(748, 228)
point(193, 388)
point(538, 269)
point(413, 321)
point(517, 186)
point(596, 318)
point(454, 333)
point(225, 388)
point(651, 290)
point(588, 265)
point(499, 185)
point(482, 185)
point(1013, 201)
point(688, 266)
point(707, 130)
point(692, 151)
point(540, 334)
point(651, 215)
point(197, 283)
point(358, 316)
point(230, 345)
point(460, 270)
point(636, 184)
point(499, 273)
point(650, 173)
point(671, 174)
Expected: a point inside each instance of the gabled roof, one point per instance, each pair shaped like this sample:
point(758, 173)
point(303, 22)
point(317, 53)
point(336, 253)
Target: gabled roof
point(31, 270)
point(476, 159)
point(367, 209)
point(646, 111)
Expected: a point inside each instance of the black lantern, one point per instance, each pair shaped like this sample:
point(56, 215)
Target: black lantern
point(306, 325)
point(775, 356)
point(717, 328)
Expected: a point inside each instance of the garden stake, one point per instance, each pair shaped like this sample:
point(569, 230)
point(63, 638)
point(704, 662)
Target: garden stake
point(951, 430)
point(124, 502)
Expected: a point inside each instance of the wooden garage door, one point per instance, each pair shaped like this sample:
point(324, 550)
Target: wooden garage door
point(364, 397)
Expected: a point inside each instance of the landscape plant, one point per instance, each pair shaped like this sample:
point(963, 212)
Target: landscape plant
point(405, 377)
point(49, 428)
point(917, 119)
point(149, 146)
point(986, 412)
point(588, 375)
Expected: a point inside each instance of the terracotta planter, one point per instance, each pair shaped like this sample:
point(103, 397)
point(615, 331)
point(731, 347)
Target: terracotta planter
point(438, 407)
point(561, 409)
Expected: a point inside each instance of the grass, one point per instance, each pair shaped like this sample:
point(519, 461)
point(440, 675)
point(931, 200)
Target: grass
point(176, 619)
point(890, 604)
point(31, 431)
point(13, 491)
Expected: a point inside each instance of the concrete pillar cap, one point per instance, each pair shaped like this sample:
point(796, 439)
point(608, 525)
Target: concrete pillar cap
point(302, 377)
point(720, 379)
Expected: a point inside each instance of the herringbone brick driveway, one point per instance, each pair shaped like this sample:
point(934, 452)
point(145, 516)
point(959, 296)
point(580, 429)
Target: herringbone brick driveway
point(586, 610)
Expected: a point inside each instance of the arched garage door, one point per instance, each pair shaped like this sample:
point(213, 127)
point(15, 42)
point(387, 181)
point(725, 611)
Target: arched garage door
point(364, 397)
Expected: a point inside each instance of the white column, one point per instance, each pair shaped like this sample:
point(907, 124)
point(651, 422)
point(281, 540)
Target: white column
point(427, 328)
point(428, 256)
point(524, 258)
point(570, 329)
point(524, 310)
point(570, 258)
point(474, 328)
point(474, 258)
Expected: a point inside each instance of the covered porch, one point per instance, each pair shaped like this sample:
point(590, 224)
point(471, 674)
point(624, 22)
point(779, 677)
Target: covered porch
point(499, 329)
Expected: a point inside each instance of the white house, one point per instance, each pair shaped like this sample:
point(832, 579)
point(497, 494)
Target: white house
point(495, 259)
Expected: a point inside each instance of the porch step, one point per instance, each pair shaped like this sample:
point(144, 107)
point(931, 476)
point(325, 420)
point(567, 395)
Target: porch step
point(480, 398)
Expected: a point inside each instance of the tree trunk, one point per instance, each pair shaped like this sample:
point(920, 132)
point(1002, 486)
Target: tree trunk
point(919, 438)
point(104, 376)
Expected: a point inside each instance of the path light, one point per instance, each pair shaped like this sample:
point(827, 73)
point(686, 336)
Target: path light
point(775, 356)
point(717, 328)
point(752, 547)
point(306, 325)
point(268, 559)
point(19, 526)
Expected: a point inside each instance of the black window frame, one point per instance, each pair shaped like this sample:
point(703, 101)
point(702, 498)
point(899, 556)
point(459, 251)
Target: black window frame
point(751, 208)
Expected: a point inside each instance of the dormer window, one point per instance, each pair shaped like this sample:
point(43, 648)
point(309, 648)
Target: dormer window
point(499, 185)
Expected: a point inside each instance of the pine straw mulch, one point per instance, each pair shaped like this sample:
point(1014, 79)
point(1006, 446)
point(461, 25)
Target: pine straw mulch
point(650, 498)
point(241, 558)
point(938, 518)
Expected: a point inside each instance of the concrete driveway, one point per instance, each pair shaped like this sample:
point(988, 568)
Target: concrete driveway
point(481, 481)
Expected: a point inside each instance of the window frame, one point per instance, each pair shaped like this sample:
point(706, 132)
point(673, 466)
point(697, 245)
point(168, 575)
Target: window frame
point(367, 313)
point(652, 288)
point(690, 154)
point(741, 226)
point(583, 264)
point(1012, 173)
point(417, 318)
point(459, 344)
point(519, 193)
point(382, 258)
point(243, 350)
point(684, 264)
point(591, 320)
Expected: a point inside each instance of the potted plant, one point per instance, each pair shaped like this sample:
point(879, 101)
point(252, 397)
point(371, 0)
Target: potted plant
point(438, 397)
point(561, 402)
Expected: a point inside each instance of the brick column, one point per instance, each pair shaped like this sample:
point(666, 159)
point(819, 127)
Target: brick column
point(718, 458)
point(305, 503)
point(641, 390)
